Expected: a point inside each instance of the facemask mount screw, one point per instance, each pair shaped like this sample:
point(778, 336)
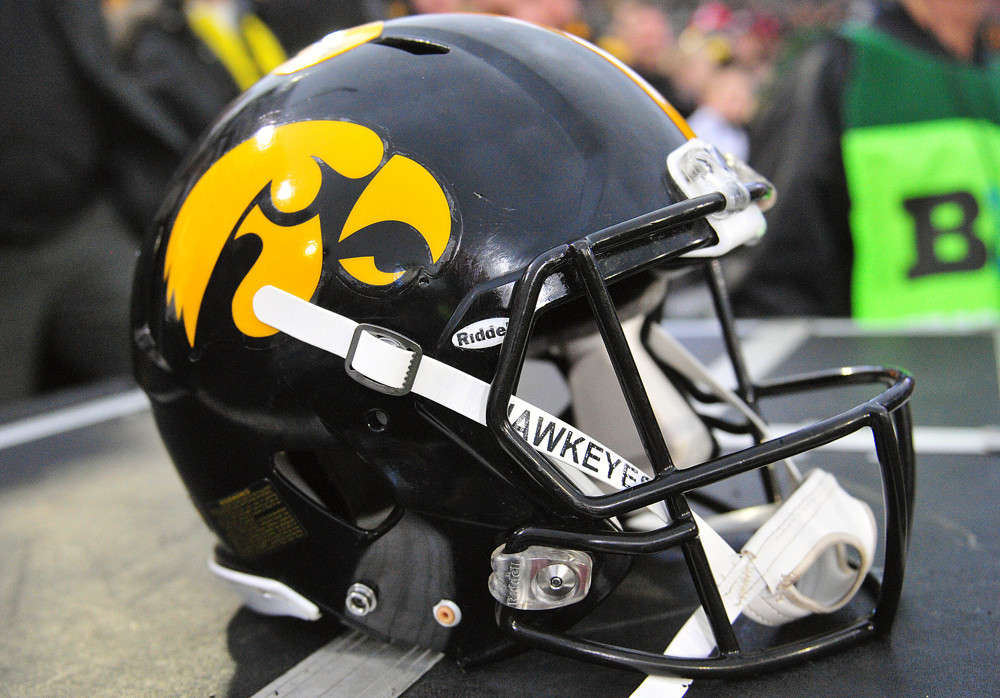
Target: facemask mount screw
point(361, 600)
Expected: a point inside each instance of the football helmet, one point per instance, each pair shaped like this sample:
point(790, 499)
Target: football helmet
point(400, 324)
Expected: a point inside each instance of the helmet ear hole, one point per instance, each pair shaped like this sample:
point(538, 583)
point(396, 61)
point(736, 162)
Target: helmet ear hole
point(344, 487)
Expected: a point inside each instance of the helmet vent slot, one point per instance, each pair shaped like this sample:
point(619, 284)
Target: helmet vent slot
point(418, 47)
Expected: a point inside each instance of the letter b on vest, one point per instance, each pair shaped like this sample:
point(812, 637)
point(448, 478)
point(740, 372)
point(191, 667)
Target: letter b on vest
point(931, 238)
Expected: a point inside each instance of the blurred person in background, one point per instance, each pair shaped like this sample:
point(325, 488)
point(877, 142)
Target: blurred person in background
point(401, 8)
point(757, 39)
point(641, 35)
point(884, 147)
point(78, 139)
point(298, 23)
point(727, 104)
point(101, 100)
point(566, 15)
point(496, 7)
point(702, 47)
point(193, 57)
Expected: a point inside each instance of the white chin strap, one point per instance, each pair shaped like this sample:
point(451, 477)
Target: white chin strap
point(797, 563)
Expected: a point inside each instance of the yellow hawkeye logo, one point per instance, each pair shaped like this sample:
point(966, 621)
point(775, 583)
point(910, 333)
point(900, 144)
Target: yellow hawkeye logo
point(273, 186)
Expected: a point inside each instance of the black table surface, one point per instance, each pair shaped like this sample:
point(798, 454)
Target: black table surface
point(104, 588)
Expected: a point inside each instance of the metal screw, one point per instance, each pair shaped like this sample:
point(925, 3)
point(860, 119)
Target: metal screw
point(361, 600)
point(557, 580)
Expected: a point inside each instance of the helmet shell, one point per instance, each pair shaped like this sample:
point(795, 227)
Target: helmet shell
point(445, 152)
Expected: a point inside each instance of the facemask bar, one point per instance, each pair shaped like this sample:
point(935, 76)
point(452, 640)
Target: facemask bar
point(887, 415)
point(586, 257)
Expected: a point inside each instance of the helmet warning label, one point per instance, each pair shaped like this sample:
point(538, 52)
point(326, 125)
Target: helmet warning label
point(256, 521)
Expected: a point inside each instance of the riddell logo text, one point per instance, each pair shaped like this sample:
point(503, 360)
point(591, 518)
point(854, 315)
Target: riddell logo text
point(482, 334)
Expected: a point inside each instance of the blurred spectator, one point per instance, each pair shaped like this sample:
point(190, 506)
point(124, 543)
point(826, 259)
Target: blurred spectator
point(756, 39)
point(101, 101)
point(710, 18)
point(566, 15)
point(700, 52)
point(401, 8)
point(883, 148)
point(727, 103)
point(78, 136)
point(193, 57)
point(298, 23)
point(641, 35)
point(438, 6)
point(496, 7)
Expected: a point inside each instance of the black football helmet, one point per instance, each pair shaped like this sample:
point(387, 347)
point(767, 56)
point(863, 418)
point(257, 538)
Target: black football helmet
point(399, 321)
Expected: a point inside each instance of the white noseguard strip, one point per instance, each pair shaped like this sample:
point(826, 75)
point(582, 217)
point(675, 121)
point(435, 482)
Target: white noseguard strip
point(794, 565)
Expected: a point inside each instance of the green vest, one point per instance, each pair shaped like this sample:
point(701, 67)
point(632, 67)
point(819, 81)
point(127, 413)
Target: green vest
point(921, 147)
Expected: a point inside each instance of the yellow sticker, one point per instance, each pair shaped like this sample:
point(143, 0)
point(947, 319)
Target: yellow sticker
point(292, 256)
point(402, 191)
point(279, 170)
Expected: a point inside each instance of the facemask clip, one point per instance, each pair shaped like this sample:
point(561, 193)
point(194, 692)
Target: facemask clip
point(540, 578)
point(698, 168)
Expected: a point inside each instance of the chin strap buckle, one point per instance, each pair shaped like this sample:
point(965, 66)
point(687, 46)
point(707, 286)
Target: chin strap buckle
point(383, 360)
